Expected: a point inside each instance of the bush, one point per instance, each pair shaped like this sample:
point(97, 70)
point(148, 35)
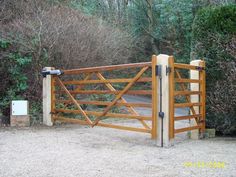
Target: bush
point(214, 39)
point(51, 34)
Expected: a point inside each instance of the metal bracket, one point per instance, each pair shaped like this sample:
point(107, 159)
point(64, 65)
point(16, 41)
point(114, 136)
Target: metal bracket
point(161, 114)
point(51, 72)
point(158, 70)
point(168, 70)
point(199, 68)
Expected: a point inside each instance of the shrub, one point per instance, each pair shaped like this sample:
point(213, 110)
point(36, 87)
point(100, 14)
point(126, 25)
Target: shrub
point(53, 35)
point(214, 39)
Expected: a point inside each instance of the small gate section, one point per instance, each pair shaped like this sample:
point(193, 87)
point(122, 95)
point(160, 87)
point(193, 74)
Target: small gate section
point(90, 96)
point(187, 90)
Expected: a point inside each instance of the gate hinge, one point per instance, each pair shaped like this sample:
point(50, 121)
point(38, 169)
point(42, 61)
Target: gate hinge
point(158, 70)
point(168, 70)
point(161, 114)
point(199, 68)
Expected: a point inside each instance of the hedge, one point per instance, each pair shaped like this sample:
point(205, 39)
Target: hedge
point(214, 39)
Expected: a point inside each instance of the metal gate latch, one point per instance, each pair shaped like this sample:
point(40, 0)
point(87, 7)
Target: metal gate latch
point(161, 114)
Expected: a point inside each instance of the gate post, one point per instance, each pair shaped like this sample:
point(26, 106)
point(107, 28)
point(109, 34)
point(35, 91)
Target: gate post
point(194, 74)
point(47, 117)
point(163, 115)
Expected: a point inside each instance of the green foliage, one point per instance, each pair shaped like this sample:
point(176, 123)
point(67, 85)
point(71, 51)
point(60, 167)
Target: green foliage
point(4, 44)
point(35, 112)
point(214, 38)
point(13, 66)
point(90, 7)
point(169, 27)
point(175, 27)
point(214, 27)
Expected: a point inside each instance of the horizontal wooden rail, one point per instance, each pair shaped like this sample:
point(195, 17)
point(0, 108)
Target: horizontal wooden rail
point(70, 120)
point(187, 117)
point(187, 81)
point(120, 127)
point(130, 92)
point(103, 103)
point(107, 68)
point(186, 66)
point(187, 129)
point(113, 115)
point(77, 82)
point(176, 93)
point(182, 105)
point(124, 127)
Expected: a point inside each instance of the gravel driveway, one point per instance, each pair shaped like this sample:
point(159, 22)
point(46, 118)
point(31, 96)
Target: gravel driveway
point(79, 151)
point(74, 150)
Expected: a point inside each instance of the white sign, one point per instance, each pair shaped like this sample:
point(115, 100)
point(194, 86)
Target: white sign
point(19, 108)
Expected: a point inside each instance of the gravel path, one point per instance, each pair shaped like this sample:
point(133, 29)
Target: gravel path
point(74, 150)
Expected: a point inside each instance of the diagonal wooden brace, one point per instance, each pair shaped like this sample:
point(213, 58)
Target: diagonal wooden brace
point(120, 95)
point(85, 79)
point(80, 87)
point(130, 108)
point(75, 102)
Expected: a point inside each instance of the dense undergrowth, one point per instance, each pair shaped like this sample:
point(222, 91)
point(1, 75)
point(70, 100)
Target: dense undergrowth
point(75, 34)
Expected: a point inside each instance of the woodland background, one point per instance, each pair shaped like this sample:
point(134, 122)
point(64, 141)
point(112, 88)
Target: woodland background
point(79, 33)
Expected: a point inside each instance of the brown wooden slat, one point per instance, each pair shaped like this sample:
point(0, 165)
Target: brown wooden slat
point(171, 99)
point(127, 87)
point(176, 93)
point(186, 129)
point(183, 87)
point(113, 115)
point(103, 103)
point(154, 97)
point(185, 66)
point(202, 76)
point(182, 105)
point(107, 68)
point(122, 80)
point(187, 81)
point(123, 127)
point(71, 120)
point(129, 92)
point(75, 102)
point(80, 87)
point(130, 109)
point(188, 117)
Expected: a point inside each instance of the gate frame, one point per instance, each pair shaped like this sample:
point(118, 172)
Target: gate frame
point(164, 137)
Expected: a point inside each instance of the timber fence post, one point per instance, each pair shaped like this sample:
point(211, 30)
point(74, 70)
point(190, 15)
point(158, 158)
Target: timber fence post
point(47, 116)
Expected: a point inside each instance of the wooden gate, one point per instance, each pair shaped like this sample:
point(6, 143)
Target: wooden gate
point(187, 82)
point(89, 96)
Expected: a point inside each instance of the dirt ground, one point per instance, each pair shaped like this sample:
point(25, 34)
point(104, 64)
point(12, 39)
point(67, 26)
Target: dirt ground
point(74, 150)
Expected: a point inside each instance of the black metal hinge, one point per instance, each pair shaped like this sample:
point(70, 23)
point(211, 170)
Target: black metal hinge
point(168, 70)
point(158, 70)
